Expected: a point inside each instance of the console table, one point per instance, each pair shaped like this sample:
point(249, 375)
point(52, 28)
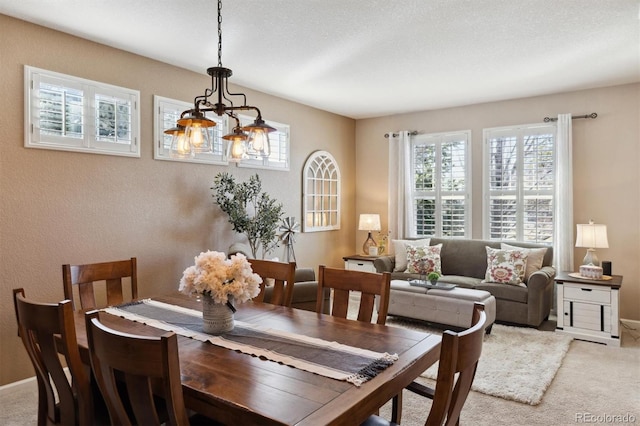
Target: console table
point(589, 309)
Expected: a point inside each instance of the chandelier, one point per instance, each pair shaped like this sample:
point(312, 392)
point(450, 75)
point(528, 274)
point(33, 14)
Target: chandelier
point(191, 134)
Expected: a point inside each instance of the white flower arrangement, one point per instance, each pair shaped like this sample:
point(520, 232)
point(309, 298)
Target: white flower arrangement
point(216, 276)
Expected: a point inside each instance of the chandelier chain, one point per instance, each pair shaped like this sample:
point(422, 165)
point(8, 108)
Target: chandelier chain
point(220, 33)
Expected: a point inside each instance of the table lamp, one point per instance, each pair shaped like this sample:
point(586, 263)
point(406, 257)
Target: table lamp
point(369, 222)
point(592, 236)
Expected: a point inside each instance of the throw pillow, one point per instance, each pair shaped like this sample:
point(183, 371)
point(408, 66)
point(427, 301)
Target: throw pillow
point(505, 266)
point(400, 250)
point(535, 256)
point(423, 259)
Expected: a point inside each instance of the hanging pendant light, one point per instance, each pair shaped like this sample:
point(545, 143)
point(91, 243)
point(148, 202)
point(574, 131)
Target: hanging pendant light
point(237, 146)
point(196, 130)
point(197, 126)
point(258, 145)
point(180, 146)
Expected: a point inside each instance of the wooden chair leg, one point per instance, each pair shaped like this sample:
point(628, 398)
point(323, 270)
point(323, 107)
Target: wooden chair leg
point(396, 408)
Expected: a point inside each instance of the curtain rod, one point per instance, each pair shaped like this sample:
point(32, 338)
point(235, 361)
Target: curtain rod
point(592, 115)
point(412, 133)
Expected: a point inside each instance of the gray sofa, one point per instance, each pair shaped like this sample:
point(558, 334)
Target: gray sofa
point(305, 289)
point(464, 263)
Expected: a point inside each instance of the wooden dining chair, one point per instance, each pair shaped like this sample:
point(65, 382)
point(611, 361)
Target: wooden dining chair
point(343, 282)
point(139, 362)
point(49, 334)
point(459, 356)
point(84, 276)
point(283, 276)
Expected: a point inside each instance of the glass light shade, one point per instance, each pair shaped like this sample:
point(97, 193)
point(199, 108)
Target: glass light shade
point(180, 146)
point(196, 128)
point(258, 140)
point(236, 147)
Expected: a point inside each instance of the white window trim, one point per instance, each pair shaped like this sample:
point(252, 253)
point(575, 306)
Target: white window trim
point(438, 139)
point(88, 143)
point(321, 167)
point(267, 163)
point(518, 131)
point(161, 103)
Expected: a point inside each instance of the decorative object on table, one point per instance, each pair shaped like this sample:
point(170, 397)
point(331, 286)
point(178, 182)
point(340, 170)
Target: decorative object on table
point(288, 231)
point(369, 222)
point(591, 271)
point(383, 241)
point(251, 211)
point(433, 277)
point(221, 282)
point(196, 126)
point(591, 236)
point(606, 267)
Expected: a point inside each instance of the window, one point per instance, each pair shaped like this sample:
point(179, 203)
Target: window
point(440, 175)
point(167, 111)
point(519, 183)
point(321, 198)
point(73, 114)
point(279, 143)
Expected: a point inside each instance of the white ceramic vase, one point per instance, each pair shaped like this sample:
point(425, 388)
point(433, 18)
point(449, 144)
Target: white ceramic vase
point(217, 318)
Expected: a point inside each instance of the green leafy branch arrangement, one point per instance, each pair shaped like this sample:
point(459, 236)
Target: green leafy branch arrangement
point(251, 211)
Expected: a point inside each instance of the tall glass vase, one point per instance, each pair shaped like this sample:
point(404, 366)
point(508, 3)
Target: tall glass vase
point(217, 318)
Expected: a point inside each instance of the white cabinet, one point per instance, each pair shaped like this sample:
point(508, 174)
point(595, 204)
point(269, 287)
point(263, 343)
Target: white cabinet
point(589, 309)
point(360, 263)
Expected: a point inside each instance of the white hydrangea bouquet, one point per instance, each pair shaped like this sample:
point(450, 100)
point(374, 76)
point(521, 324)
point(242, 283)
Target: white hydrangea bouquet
point(224, 280)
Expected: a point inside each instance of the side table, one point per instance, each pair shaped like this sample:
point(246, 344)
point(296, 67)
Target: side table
point(589, 309)
point(359, 262)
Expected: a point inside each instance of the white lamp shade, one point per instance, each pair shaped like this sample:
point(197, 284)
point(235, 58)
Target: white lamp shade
point(592, 235)
point(369, 222)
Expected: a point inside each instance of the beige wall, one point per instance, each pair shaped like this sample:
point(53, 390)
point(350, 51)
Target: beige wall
point(606, 155)
point(62, 207)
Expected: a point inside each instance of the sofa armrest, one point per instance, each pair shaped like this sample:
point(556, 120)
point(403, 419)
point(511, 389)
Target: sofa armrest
point(305, 274)
point(384, 264)
point(540, 279)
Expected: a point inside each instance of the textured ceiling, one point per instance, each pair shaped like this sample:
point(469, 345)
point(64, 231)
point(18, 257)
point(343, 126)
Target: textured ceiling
point(368, 58)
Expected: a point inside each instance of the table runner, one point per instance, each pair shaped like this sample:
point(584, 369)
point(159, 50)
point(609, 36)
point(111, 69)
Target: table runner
point(329, 359)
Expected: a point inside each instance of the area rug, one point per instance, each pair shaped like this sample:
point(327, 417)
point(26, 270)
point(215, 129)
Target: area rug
point(517, 363)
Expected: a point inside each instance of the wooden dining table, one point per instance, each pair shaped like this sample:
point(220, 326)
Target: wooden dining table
point(239, 389)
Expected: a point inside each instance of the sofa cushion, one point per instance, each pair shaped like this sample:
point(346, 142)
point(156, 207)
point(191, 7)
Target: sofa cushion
point(465, 282)
point(535, 256)
point(506, 292)
point(400, 250)
point(505, 266)
point(423, 259)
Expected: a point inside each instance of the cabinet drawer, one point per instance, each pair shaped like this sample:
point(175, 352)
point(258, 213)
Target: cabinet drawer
point(360, 265)
point(587, 294)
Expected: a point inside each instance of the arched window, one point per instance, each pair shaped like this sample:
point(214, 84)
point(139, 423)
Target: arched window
point(321, 193)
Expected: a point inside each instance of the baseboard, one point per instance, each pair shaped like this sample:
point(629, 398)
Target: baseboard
point(18, 383)
point(631, 323)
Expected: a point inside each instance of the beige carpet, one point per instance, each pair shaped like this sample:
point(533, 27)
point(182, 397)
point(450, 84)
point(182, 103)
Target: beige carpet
point(517, 363)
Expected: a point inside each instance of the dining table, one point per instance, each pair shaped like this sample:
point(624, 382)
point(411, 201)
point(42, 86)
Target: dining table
point(236, 388)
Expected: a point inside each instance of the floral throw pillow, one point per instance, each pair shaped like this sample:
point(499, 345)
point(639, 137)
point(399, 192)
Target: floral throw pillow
point(423, 259)
point(505, 266)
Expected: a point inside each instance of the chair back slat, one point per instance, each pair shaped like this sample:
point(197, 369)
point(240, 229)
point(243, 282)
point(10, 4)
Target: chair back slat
point(48, 333)
point(283, 276)
point(112, 273)
point(343, 282)
point(459, 356)
point(146, 364)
